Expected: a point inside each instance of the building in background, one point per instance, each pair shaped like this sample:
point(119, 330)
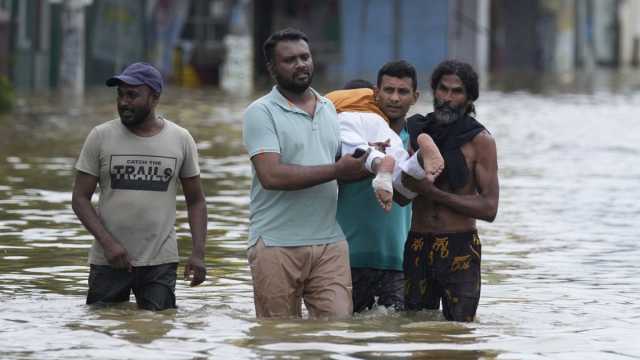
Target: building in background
point(629, 33)
point(421, 32)
point(218, 42)
point(320, 20)
point(561, 36)
point(184, 38)
point(29, 57)
point(353, 39)
point(5, 38)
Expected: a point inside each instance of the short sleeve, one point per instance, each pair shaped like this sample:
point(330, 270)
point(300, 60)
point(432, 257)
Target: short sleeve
point(259, 133)
point(190, 167)
point(89, 159)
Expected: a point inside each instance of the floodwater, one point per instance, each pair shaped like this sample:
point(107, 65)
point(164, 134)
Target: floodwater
point(560, 263)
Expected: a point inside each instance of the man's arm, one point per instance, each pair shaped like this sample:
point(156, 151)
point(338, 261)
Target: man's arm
point(400, 200)
point(197, 210)
point(274, 175)
point(83, 189)
point(484, 204)
point(397, 197)
point(261, 141)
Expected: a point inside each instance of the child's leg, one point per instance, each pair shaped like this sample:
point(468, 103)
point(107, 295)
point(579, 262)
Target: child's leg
point(383, 164)
point(382, 183)
point(432, 160)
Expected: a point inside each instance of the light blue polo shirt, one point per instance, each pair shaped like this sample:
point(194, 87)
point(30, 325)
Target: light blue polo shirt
point(299, 217)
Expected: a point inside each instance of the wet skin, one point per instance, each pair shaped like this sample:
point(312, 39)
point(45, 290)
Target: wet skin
point(394, 96)
point(437, 208)
point(450, 100)
point(136, 107)
point(135, 104)
point(292, 69)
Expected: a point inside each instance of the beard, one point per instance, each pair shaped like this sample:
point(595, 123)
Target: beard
point(294, 85)
point(132, 117)
point(446, 114)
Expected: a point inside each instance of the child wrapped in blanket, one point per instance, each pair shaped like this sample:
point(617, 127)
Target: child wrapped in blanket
point(364, 129)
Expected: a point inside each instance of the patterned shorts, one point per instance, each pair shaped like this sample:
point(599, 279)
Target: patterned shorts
point(443, 267)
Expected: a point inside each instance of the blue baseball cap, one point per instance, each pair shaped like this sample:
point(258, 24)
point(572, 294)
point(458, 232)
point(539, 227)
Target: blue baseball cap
point(139, 73)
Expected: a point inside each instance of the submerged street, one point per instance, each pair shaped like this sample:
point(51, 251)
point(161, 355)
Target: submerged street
point(560, 271)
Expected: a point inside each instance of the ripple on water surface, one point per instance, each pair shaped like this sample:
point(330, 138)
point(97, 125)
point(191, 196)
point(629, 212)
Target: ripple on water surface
point(559, 263)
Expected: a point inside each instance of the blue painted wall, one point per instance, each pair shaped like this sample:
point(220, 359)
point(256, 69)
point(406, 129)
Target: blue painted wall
point(425, 33)
point(368, 38)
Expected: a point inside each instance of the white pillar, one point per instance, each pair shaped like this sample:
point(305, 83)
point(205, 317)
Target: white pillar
point(237, 70)
point(42, 52)
point(629, 12)
point(72, 60)
point(564, 60)
point(482, 39)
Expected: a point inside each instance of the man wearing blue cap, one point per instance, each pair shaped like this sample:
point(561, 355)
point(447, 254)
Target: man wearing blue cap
point(137, 161)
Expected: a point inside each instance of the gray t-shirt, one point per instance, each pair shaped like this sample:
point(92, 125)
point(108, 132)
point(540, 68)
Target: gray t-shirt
point(138, 182)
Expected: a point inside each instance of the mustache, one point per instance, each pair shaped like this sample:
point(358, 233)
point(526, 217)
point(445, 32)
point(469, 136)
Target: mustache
point(302, 73)
point(444, 106)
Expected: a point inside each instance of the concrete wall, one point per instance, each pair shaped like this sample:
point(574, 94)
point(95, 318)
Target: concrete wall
point(605, 32)
point(515, 43)
point(469, 32)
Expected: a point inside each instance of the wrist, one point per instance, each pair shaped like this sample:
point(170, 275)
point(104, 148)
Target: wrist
point(197, 253)
point(107, 242)
point(336, 171)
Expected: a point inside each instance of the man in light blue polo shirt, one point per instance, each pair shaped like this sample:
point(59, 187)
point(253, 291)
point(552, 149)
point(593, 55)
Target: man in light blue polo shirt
point(296, 247)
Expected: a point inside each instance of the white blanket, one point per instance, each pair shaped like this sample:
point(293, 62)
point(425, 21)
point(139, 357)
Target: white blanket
point(358, 129)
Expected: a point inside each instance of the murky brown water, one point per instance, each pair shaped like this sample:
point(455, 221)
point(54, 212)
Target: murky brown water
point(560, 264)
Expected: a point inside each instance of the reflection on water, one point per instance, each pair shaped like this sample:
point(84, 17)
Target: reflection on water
point(559, 269)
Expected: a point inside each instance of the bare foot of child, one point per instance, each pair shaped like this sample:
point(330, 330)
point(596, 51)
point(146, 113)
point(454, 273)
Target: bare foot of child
point(432, 160)
point(383, 183)
point(385, 198)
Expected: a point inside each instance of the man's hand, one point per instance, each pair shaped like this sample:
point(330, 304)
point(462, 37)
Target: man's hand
point(83, 190)
point(381, 145)
point(423, 187)
point(195, 270)
point(117, 256)
point(349, 168)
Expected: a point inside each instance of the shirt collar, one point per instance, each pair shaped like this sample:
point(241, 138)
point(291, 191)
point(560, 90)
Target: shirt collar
point(284, 103)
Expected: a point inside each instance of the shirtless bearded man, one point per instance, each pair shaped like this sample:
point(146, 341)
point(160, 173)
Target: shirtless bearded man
point(442, 251)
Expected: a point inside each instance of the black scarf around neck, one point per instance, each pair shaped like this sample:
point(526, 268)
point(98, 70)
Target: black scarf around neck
point(449, 139)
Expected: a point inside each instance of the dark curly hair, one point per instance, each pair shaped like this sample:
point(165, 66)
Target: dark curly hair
point(463, 70)
point(288, 34)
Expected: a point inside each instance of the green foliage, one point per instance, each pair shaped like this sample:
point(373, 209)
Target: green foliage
point(7, 97)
